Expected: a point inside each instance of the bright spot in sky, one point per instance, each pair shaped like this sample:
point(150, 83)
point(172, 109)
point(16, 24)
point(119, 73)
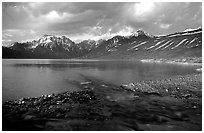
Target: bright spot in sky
point(52, 15)
point(143, 8)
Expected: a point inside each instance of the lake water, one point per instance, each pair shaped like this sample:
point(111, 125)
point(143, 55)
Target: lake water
point(29, 78)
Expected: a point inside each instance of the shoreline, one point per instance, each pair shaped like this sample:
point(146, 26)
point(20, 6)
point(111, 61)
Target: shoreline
point(191, 62)
point(176, 62)
point(169, 61)
point(170, 104)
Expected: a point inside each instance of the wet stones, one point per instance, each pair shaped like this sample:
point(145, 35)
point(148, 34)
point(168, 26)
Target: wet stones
point(180, 116)
point(47, 105)
point(154, 103)
point(182, 87)
point(130, 87)
point(83, 96)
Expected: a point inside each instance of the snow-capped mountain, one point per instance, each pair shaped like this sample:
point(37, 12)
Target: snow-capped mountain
point(139, 45)
point(143, 45)
point(51, 46)
point(50, 42)
point(142, 33)
point(189, 30)
point(185, 32)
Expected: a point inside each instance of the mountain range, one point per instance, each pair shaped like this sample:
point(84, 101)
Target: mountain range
point(138, 45)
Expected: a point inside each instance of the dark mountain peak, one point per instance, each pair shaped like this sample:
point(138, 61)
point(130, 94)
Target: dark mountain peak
point(17, 46)
point(101, 40)
point(140, 32)
point(116, 38)
point(14, 43)
point(87, 44)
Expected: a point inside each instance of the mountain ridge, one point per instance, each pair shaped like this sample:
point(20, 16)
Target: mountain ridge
point(138, 45)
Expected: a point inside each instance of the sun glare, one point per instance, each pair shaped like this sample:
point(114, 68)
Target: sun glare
point(52, 15)
point(143, 8)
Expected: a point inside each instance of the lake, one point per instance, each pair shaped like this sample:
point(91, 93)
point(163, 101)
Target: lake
point(35, 77)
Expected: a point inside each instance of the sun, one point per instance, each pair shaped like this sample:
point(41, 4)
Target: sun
point(143, 8)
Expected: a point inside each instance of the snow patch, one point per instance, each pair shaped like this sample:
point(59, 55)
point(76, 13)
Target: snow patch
point(193, 40)
point(167, 46)
point(134, 42)
point(136, 46)
point(179, 44)
point(192, 33)
point(164, 44)
point(112, 50)
point(155, 45)
point(136, 49)
point(186, 42)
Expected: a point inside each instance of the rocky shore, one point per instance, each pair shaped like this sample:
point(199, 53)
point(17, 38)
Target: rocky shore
point(173, 104)
point(182, 61)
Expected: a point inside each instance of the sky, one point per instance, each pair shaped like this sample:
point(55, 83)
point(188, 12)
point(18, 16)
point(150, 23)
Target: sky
point(80, 21)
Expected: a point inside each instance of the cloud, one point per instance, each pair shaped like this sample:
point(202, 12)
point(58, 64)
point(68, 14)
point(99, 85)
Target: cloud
point(6, 35)
point(165, 26)
point(95, 20)
point(143, 8)
point(125, 31)
point(141, 11)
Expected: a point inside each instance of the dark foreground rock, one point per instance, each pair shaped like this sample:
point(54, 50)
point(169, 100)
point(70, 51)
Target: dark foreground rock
point(169, 104)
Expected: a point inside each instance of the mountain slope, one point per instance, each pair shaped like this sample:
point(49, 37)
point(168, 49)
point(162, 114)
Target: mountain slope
point(177, 45)
point(139, 45)
point(48, 46)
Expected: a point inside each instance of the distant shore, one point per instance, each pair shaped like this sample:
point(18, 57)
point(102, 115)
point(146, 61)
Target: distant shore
point(169, 104)
point(195, 62)
point(191, 61)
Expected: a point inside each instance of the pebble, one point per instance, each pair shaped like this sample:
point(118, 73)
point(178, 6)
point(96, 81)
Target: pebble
point(178, 114)
point(104, 85)
point(49, 95)
point(187, 95)
point(130, 86)
point(136, 96)
point(79, 103)
point(108, 97)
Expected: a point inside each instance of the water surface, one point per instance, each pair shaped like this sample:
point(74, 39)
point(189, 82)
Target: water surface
point(28, 78)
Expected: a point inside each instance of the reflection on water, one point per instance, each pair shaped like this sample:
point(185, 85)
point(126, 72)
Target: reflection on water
point(26, 78)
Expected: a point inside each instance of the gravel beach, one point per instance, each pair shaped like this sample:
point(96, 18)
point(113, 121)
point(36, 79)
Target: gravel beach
point(173, 104)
